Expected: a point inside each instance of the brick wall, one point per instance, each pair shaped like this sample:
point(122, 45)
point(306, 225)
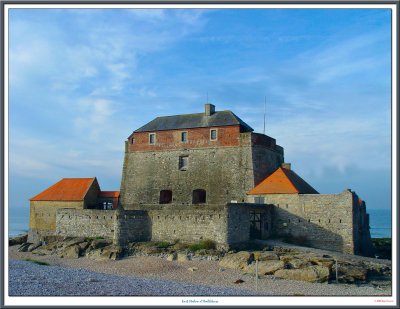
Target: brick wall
point(196, 138)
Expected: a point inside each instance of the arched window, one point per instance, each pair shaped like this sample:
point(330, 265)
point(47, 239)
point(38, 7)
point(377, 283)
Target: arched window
point(165, 196)
point(199, 196)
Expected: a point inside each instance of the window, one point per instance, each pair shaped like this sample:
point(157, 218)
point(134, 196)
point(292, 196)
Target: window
point(259, 200)
point(199, 196)
point(152, 138)
point(183, 137)
point(133, 140)
point(213, 134)
point(165, 196)
point(183, 163)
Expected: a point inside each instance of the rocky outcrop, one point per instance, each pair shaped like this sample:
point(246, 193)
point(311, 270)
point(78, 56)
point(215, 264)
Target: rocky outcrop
point(18, 240)
point(290, 264)
point(309, 274)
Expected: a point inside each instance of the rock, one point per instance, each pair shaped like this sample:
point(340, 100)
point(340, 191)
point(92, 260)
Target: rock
point(286, 258)
point(24, 247)
point(71, 252)
point(98, 243)
point(172, 257)
point(236, 260)
point(34, 246)
point(239, 281)
point(18, 240)
point(193, 268)
point(268, 255)
point(298, 263)
point(73, 241)
point(221, 269)
point(310, 274)
point(326, 262)
point(182, 257)
point(112, 252)
point(265, 267)
point(351, 273)
point(84, 245)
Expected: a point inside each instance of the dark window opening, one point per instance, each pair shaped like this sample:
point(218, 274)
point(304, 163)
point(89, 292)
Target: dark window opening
point(184, 137)
point(213, 135)
point(152, 138)
point(165, 196)
point(199, 196)
point(183, 163)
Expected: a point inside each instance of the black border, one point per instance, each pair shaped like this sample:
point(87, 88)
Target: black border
point(199, 2)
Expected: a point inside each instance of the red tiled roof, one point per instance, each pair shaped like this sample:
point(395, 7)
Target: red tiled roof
point(67, 189)
point(283, 181)
point(109, 194)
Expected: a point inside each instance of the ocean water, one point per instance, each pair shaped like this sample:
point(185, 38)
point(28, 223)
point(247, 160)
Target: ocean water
point(380, 223)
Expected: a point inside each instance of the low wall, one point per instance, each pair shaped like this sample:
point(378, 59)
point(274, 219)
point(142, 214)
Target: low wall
point(189, 223)
point(132, 226)
point(85, 223)
point(322, 221)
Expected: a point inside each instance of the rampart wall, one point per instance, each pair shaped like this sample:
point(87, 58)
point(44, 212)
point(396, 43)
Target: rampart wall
point(323, 221)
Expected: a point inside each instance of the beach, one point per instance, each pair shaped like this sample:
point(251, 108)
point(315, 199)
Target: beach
point(130, 276)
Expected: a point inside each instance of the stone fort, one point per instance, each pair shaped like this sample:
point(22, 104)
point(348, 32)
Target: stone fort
point(202, 176)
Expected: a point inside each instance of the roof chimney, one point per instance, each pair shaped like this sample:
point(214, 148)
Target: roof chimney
point(287, 165)
point(209, 109)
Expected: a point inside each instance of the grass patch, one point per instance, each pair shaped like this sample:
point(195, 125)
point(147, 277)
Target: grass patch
point(206, 244)
point(162, 244)
point(37, 262)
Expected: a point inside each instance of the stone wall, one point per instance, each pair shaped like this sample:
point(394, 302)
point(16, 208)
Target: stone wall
point(225, 172)
point(42, 217)
point(85, 223)
point(323, 221)
point(132, 226)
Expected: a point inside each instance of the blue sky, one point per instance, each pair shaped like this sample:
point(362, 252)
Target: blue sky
point(80, 81)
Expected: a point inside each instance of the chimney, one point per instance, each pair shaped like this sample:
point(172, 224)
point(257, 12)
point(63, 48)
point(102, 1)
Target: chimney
point(286, 165)
point(209, 109)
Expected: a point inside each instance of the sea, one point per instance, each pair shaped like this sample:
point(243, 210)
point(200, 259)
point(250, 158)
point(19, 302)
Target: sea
point(380, 223)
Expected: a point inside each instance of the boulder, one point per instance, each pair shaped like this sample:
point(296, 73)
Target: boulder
point(236, 260)
point(193, 268)
point(71, 252)
point(310, 274)
point(84, 245)
point(182, 257)
point(112, 252)
point(73, 241)
point(265, 267)
point(34, 246)
point(24, 247)
point(321, 261)
point(297, 263)
point(18, 240)
point(172, 257)
point(267, 255)
point(98, 243)
point(349, 273)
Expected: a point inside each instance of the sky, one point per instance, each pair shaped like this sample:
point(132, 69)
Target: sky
point(82, 80)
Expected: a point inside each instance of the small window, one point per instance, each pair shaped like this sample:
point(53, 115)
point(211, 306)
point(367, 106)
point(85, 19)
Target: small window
point(133, 140)
point(199, 196)
point(213, 134)
point(165, 196)
point(183, 163)
point(184, 137)
point(152, 138)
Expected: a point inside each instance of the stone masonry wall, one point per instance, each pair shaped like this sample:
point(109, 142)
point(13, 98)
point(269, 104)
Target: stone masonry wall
point(322, 221)
point(189, 224)
point(86, 223)
point(226, 173)
point(132, 226)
